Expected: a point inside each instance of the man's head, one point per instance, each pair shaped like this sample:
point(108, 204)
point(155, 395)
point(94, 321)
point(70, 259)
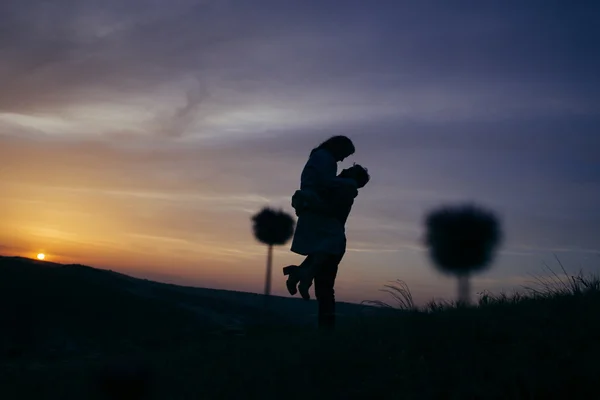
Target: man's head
point(340, 147)
point(357, 172)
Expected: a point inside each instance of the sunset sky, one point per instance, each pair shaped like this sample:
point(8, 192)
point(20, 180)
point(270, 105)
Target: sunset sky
point(141, 136)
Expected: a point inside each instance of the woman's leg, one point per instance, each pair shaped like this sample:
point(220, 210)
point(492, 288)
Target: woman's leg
point(300, 277)
point(294, 275)
point(307, 270)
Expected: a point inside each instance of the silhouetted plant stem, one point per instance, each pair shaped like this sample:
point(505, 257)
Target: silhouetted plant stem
point(269, 268)
point(464, 289)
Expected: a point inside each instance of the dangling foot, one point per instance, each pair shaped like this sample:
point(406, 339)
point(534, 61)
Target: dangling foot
point(292, 280)
point(303, 288)
point(290, 269)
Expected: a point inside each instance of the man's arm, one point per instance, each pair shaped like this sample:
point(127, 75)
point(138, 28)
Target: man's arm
point(303, 200)
point(339, 196)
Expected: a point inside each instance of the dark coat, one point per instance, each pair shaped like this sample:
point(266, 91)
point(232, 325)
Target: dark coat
point(318, 232)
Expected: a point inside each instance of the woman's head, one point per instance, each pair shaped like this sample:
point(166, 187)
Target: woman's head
point(357, 172)
point(340, 147)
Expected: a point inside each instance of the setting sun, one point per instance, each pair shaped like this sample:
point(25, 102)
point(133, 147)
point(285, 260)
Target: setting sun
point(41, 256)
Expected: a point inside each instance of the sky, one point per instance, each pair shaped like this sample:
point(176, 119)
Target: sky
point(141, 136)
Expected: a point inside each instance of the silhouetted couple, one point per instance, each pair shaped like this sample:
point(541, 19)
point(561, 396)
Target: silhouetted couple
point(322, 205)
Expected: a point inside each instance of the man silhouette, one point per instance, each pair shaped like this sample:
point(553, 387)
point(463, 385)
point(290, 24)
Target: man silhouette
point(333, 205)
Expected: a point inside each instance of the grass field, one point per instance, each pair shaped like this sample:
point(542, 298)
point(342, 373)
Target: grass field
point(542, 344)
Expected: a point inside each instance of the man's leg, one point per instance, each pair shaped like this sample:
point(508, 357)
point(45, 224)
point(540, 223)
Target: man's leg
point(325, 275)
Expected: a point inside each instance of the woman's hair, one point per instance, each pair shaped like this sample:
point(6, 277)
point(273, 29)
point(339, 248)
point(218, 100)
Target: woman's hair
point(339, 146)
point(358, 173)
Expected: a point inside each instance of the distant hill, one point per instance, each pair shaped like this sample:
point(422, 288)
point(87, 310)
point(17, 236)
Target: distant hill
point(75, 332)
point(60, 308)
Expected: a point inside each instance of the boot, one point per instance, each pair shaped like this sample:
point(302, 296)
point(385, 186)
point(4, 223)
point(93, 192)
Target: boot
point(293, 279)
point(303, 288)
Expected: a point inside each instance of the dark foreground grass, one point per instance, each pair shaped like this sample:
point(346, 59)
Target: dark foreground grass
point(542, 345)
